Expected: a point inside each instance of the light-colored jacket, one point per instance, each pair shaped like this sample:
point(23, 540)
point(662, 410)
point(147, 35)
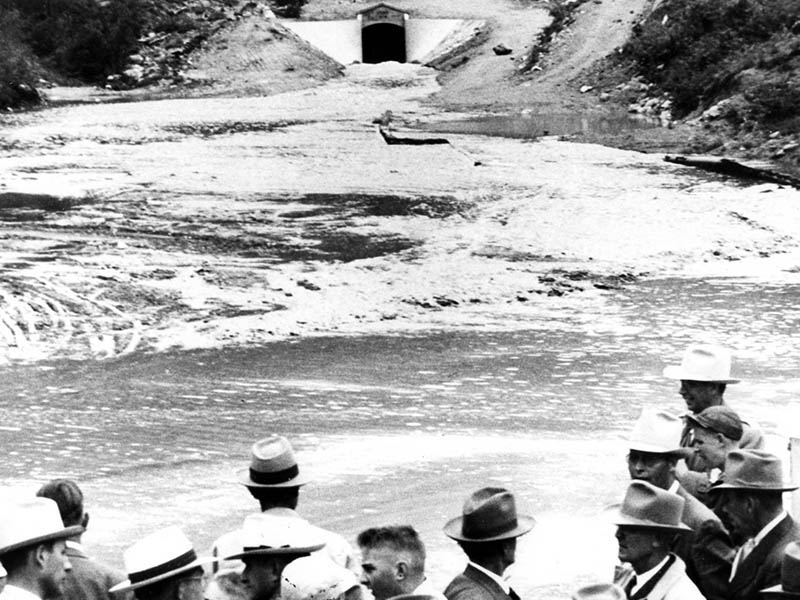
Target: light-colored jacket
point(674, 584)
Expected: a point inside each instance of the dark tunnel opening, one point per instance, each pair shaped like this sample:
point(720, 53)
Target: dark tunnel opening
point(383, 42)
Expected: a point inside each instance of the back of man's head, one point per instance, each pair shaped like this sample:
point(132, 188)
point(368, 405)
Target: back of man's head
point(69, 498)
point(275, 497)
point(401, 539)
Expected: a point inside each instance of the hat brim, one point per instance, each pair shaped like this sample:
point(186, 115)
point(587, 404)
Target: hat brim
point(615, 515)
point(244, 479)
point(676, 372)
point(653, 449)
point(750, 488)
point(63, 534)
point(275, 551)
point(453, 530)
point(126, 585)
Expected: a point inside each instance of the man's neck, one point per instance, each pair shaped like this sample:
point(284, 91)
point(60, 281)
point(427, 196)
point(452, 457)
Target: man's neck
point(411, 583)
point(648, 562)
point(28, 584)
point(497, 565)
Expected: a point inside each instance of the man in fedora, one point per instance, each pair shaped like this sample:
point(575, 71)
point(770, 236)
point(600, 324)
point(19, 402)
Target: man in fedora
point(751, 507)
point(88, 579)
point(653, 454)
point(274, 479)
point(647, 522)
point(267, 547)
point(393, 563)
point(163, 566)
point(704, 373)
point(789, 587)
point(487, 532)
point(715, 432)
point(33, 549)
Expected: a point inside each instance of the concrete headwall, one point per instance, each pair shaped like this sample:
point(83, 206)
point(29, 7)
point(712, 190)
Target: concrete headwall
point(341, 40)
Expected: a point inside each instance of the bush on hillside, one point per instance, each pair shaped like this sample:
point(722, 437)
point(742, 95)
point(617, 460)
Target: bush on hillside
point(84, 39)
point(695, 49)
point(17, 64)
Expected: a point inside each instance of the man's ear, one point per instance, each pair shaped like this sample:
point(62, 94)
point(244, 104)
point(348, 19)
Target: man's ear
point(40, 554)
point(401, 570)
point(85, 520)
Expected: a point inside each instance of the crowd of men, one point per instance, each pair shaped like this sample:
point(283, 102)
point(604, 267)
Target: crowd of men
point(703, 517)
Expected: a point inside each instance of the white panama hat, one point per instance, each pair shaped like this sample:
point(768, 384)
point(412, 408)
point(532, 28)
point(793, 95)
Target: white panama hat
point(316, 577)
point(267, 534)
point(657, 432)
point(29, 521)
point(703, 362)
point(158, 556)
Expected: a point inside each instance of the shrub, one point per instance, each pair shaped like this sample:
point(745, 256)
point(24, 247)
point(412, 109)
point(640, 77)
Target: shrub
point(17, 64)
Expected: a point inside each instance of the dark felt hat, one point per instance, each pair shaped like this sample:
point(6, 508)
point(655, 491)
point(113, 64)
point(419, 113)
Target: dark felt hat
point(490, 514)
point(753, 470)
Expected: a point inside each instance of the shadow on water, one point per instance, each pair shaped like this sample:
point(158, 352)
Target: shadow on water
point(534, 126)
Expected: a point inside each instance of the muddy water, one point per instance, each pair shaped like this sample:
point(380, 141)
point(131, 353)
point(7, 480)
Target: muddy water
point(399, 428)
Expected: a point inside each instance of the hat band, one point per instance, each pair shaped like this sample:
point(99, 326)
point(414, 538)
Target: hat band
point(171, 565)
point(274, 477)
point(478, 529)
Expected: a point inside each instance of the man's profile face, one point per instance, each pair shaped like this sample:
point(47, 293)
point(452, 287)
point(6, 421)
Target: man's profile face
point(635, 544)
point(54, 571)
point(709, 447)
point(192, 585)
point(261, 577)
point(378, 572)
point(734, 511)
point(699, 395)
point(657, 469)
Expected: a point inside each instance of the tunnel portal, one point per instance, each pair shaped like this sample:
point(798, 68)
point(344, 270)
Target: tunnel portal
point(383, 34)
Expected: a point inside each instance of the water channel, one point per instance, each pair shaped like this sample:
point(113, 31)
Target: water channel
point(399, 428)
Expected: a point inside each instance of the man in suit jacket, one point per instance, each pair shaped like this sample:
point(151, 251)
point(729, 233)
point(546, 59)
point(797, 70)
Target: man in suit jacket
point(751, 506)
point(647, 522)
point(652, 457)
point(88, 579)
point(487, 532)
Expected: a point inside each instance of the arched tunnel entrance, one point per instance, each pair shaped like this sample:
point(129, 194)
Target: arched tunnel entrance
point(382, 42)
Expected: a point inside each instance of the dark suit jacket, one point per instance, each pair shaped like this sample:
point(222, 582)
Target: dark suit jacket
point(90, 580)
point(474, 585)
point(762, 567)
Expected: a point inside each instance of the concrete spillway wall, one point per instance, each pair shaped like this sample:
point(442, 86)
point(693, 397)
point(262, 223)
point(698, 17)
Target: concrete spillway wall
point(341, 40)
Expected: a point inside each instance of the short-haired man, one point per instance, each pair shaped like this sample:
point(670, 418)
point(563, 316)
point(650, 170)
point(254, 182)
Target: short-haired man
point(715, 432)
point(267, 547)
point(393, 563)
point(487, 532)
point(647, 522)
point(704, 373)
point(88, 579)
point(653, 453)
point(33, 549)
point(751, 507)
point(163, 566)
point(274, 479)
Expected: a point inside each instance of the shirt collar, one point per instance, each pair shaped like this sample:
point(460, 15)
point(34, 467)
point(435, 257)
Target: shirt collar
point(674, 487)
point(648, 575)
point(19, 593)
point(769, 527)
point(493, 576)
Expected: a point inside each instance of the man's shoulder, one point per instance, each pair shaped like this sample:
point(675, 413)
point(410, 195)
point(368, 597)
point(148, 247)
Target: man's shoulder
point(84, 567)
point(471, 585)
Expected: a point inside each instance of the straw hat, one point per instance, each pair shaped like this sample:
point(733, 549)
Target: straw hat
point(657, 432)
point(272, 465)
point(789, 587)
point(703, 363)
point(754, 470)
point(315, 577)
point(267, 535)
point(160, 555)
point(599, 591)
point(30, 521)
point(488, 515)
point(650, 507)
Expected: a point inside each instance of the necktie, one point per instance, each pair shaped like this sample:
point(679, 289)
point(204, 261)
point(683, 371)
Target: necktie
point(741, 555)
point(630, 585)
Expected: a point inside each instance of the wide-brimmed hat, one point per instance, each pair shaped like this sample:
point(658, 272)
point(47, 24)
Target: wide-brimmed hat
point(315, 577)
point(703, 363)
point(160, 555)
point(719, 419)
point(272, 465)
point(789, 587)
point(488, 515)
point(599, 591)
point(753, 470)
point(30, 521)
point(268, 535)
point(650, 507)
point(657, 432)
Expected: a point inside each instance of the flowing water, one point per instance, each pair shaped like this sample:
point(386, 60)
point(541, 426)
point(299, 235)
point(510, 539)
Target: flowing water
point(399, 428)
